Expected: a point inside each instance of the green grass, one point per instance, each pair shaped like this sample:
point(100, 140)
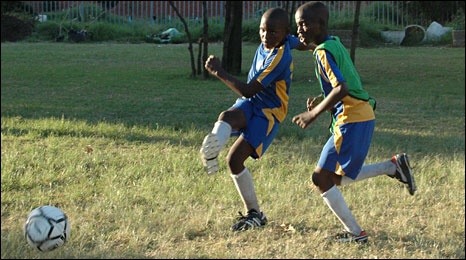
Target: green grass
point(143, 193)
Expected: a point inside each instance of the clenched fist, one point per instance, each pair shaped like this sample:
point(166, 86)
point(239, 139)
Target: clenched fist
point(213, 65)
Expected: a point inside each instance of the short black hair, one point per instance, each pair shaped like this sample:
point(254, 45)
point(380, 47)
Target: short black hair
point(279, 15)
point(315, 11)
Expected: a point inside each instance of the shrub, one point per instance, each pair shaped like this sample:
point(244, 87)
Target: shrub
point(103, 31)
point(446, 39)
point(47, 30)
point(15, 29)
point(250, 31)
point(458, 21)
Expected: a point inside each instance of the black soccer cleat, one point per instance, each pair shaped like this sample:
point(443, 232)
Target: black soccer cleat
point(404, 172)
point(345, 237)
point(251, 220)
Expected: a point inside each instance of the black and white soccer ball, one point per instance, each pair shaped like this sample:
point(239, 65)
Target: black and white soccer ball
point(46, 228)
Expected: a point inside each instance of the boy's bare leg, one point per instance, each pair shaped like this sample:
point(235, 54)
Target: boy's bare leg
point(235, 117)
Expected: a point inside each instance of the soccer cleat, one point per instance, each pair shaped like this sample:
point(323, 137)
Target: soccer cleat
point(209, 152)
point(251, 220)
point(404, 172)
point(346, 236)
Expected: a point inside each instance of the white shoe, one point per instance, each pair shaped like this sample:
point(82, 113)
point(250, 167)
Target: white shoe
point(209, 153)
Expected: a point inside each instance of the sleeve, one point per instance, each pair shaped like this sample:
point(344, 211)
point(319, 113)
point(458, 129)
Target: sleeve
point(294, 41)
point(328, 68)
point(273, 67)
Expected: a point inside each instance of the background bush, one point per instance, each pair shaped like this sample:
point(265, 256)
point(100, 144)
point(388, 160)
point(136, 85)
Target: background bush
point(137, 31)
point(369, 33)
point(47, 30)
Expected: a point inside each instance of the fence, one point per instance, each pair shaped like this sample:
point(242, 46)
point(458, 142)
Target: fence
point(160, 13)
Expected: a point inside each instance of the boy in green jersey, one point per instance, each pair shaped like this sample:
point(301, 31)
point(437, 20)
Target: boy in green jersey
point(353, 120)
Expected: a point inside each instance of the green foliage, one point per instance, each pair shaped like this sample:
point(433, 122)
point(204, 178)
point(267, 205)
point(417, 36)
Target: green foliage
point(440, 11)
point(458, 21)
point(181, 39)
point(385, 9)
point(106, 32)
point(445, 40)
point(48, 30)
point(197, 31)
point(340, 24)
point(137, 31)
point(12, 7)
point(250, 31)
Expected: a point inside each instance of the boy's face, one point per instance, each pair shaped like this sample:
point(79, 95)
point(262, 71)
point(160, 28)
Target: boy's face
point(309, 29)
point(271, 32)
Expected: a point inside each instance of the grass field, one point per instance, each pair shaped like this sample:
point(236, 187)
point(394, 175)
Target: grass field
point(110, 133)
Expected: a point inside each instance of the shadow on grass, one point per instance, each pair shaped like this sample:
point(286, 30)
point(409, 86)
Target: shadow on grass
point(192, 134)
point(129, 137)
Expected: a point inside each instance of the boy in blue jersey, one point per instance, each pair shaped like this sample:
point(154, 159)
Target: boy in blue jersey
point(257, 114)
point(342, 158)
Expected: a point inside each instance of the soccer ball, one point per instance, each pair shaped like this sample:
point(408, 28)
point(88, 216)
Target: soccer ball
point(46, 228)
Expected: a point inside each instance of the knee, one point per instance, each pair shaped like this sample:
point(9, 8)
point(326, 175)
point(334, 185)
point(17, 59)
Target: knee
point(221, 116)
point(235, 117)
point(315, 178)
point(321, 179)
point(225, 116)
point(235, 165)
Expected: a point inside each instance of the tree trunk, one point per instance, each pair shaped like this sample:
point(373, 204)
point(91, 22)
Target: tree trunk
point(293, 3)
point(231, 60)
point(190, 48)
point(199, 53)
point(205, 39)
point(355, 33)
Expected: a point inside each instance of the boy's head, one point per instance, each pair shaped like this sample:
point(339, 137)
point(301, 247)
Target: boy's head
point(274, 27)
point(312, 21)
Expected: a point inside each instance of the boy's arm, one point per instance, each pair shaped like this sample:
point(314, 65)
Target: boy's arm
point(214, 66)
point(314, 101)
point(332, 74)
point(295, 43)
point(303, 47)
point(337, 94)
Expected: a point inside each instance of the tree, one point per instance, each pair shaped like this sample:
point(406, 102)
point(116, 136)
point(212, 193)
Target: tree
point(290, 9)
point(355, 33)
point(199, 53)
point(231, 60)
point(190, 48)
point(205, 38)
point(439, 11)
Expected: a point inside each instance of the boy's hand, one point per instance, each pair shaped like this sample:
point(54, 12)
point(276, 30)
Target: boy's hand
point(302, 46)
point(314, 101)
point(304, 119)
point(213, 65)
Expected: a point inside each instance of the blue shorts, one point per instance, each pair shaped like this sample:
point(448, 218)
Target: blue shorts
point(345, 151)
point(259, 131)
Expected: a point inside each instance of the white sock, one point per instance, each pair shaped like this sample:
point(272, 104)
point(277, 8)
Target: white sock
point(223, 130)
point(372, 170)
point(245, 186)
point(337, 204)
